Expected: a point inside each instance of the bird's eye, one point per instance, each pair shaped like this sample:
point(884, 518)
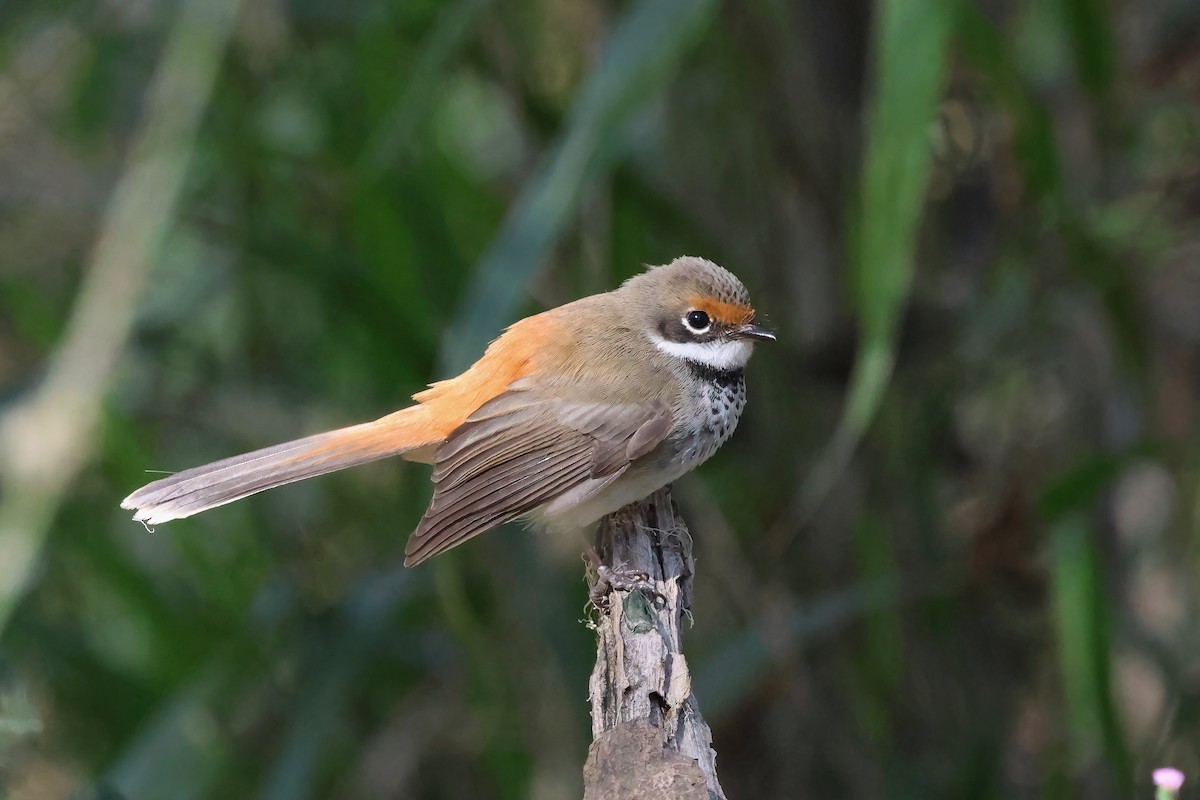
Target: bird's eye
point(697, 320)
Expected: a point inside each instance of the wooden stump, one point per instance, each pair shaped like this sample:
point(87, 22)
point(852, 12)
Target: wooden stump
point(648, 738)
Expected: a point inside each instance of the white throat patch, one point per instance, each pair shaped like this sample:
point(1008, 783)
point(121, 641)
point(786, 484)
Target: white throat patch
point(723, 356)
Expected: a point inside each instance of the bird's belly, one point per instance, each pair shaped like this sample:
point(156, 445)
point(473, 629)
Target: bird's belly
point(567, 512)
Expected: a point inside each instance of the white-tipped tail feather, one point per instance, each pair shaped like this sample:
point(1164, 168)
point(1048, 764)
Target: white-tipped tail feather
point(201, 488)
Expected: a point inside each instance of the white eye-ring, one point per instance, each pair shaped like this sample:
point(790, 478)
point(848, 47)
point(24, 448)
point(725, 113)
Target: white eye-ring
point(697, 321)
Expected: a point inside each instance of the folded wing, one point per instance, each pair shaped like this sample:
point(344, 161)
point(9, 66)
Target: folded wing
point(522, 450)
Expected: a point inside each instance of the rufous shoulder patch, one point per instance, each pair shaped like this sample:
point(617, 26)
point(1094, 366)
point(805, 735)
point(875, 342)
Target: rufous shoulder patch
point(509, 358)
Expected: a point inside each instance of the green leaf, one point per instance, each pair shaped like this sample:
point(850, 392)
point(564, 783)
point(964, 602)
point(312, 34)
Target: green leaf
point(911, 45)
point(1084, 647)
point(415, 95)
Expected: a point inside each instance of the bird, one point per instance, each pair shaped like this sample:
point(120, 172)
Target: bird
point(569, 415)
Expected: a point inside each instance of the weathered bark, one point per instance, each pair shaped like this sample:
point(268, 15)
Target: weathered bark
point(648, 738)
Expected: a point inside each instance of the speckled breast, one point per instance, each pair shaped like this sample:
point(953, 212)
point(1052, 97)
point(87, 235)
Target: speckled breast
point(722, 396)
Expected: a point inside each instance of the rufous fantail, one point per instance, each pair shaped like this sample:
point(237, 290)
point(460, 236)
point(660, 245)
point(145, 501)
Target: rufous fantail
point(569, 415)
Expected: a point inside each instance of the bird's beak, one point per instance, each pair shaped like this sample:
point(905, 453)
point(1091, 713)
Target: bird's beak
point(752, 331)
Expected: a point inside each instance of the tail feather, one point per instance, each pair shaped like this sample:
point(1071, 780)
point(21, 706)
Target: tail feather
point(201, 488)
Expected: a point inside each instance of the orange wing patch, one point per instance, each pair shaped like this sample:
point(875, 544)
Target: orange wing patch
point(725, 313)
point(507, 359)
point(416, 431)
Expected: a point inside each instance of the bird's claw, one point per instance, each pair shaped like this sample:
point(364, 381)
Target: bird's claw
point(609, 580)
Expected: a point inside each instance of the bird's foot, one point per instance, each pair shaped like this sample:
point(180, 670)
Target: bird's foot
point(609, 580)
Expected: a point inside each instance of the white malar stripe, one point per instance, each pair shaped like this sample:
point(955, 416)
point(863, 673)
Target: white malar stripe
point(720, 355)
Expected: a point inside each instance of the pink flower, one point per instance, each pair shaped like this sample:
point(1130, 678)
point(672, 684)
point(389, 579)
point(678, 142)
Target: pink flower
point(1168, 778)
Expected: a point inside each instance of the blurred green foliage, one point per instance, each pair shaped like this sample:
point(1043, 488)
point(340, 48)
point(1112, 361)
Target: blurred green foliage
point(973, 223)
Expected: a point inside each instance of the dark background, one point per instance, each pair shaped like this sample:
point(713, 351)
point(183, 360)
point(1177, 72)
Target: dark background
point(949, 553)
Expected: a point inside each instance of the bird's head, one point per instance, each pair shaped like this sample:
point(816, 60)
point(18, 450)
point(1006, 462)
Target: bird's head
point(697, 311)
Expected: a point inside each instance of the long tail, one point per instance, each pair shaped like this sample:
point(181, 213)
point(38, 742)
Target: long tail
point(198, 489)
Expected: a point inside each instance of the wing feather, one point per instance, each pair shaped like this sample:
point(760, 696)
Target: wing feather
point(648, 436)
point(522, 450)
point(508, 476)
point(461, 466)
point(446, 532)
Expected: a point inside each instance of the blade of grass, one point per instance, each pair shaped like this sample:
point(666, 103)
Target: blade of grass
point(1088, 33)
point(911, 43)
point(883, 637)
point(639, 57)
point(1093, 43)
point(1081, 619)
point(417, 91)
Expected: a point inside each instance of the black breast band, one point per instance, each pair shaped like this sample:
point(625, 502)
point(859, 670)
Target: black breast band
point(721, 377)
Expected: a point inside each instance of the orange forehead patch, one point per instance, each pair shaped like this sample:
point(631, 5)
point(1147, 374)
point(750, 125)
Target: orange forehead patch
point(724, 313)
